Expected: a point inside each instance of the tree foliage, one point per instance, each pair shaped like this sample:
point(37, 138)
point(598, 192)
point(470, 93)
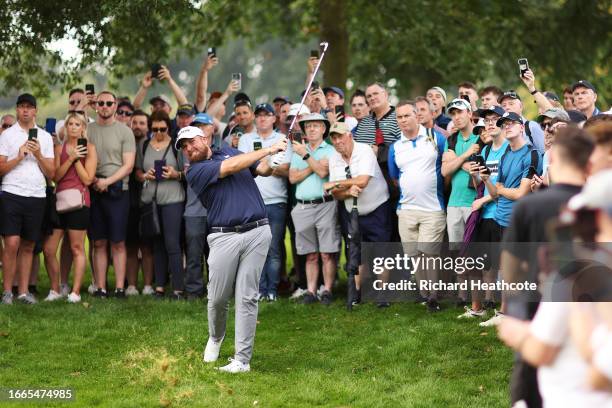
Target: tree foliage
point(418, 43)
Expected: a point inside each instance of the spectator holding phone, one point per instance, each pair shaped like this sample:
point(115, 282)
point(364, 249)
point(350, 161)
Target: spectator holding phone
point(110, 199)
point(26, 159)
point(517, 167)
point(315, 214)
point(274, 192)
point(157, 167)
point(487, 229)
point(75, 161)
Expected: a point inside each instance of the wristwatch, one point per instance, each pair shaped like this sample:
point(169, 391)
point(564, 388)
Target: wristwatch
point(535, 91)
point(306, 156)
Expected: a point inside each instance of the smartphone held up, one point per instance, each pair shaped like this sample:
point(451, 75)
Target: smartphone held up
point(523, 66)
point(237, 77)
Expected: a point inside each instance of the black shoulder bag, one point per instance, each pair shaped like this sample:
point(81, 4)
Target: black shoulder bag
point(149, 226)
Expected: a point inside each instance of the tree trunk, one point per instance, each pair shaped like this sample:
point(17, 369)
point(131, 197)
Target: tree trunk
point(332, 15)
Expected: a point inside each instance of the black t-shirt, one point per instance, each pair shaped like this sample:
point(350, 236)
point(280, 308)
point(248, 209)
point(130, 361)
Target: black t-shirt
point(528, 226)
point(532, 214)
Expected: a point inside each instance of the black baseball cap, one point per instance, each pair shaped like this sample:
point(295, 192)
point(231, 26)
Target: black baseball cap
point(576, 116)
point(125, 103)
point(26, 98)
point(185, 109)
point(509, 116)
point(241, 96)
point(493, 109)
point(583, 84)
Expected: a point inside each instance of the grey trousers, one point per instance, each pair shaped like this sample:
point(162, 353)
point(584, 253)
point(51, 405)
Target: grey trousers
point(236, 258)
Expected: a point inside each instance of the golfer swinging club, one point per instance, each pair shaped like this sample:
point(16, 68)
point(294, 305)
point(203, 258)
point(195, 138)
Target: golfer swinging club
point(239, 235)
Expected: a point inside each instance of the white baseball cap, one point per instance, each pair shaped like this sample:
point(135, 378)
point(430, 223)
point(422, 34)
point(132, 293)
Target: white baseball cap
point(295, 110)
point(188, 132)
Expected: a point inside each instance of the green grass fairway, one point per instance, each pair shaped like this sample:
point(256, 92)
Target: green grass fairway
point(147, 353)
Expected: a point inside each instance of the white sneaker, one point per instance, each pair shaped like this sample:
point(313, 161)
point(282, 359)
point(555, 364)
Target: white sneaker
point(52, 296)
point(271, 297)
point(298, 293)
point(469, 313)
point(235, 366)
point(64, 289)
point(494, 321)
point(74, 298)
point(211, 352)
point(132, 291)
point(148, 290)
point(7, 298)
point(27, 298)
point(92, 289)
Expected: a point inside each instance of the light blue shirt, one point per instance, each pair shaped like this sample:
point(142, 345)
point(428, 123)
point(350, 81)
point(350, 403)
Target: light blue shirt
point(273, 189)
point(492, 162)
point(311, 187)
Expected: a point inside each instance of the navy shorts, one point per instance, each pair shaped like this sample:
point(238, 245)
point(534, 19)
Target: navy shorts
point(109, 216)
point(374, 227)
point(133, 233)
point(22, 216)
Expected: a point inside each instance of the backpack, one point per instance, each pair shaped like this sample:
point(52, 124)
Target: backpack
point(528, 132)
point(534, 156)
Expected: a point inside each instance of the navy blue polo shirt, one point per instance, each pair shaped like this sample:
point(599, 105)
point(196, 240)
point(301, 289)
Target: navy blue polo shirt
point(232, 200)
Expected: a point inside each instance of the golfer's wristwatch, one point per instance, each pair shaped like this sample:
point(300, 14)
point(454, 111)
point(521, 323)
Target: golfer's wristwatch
point(306, 156)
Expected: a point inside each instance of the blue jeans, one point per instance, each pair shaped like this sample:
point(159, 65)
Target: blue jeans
point(195, 249)
point(271, 272)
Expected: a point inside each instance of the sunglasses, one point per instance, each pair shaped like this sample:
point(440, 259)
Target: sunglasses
point(6, 126)
point(79, 112)
point(159, 130)
point(546, 125)
point(74, 102)
point(107, 103)
point(347, 170)
point(124, 113)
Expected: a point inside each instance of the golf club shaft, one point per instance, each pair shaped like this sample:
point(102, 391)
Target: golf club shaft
point(324, 45)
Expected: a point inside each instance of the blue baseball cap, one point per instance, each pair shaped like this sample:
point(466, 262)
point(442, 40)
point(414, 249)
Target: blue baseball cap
point(264, 107)
point(202, 119)
point(498, 110)
point(333, 89)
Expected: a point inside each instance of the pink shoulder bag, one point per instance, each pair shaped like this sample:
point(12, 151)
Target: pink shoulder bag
point(69, 200)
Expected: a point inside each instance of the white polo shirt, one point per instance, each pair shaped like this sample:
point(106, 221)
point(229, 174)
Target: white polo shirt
point(417, 165)
point(273, 189)
point(26, 179)
point(363, 161)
